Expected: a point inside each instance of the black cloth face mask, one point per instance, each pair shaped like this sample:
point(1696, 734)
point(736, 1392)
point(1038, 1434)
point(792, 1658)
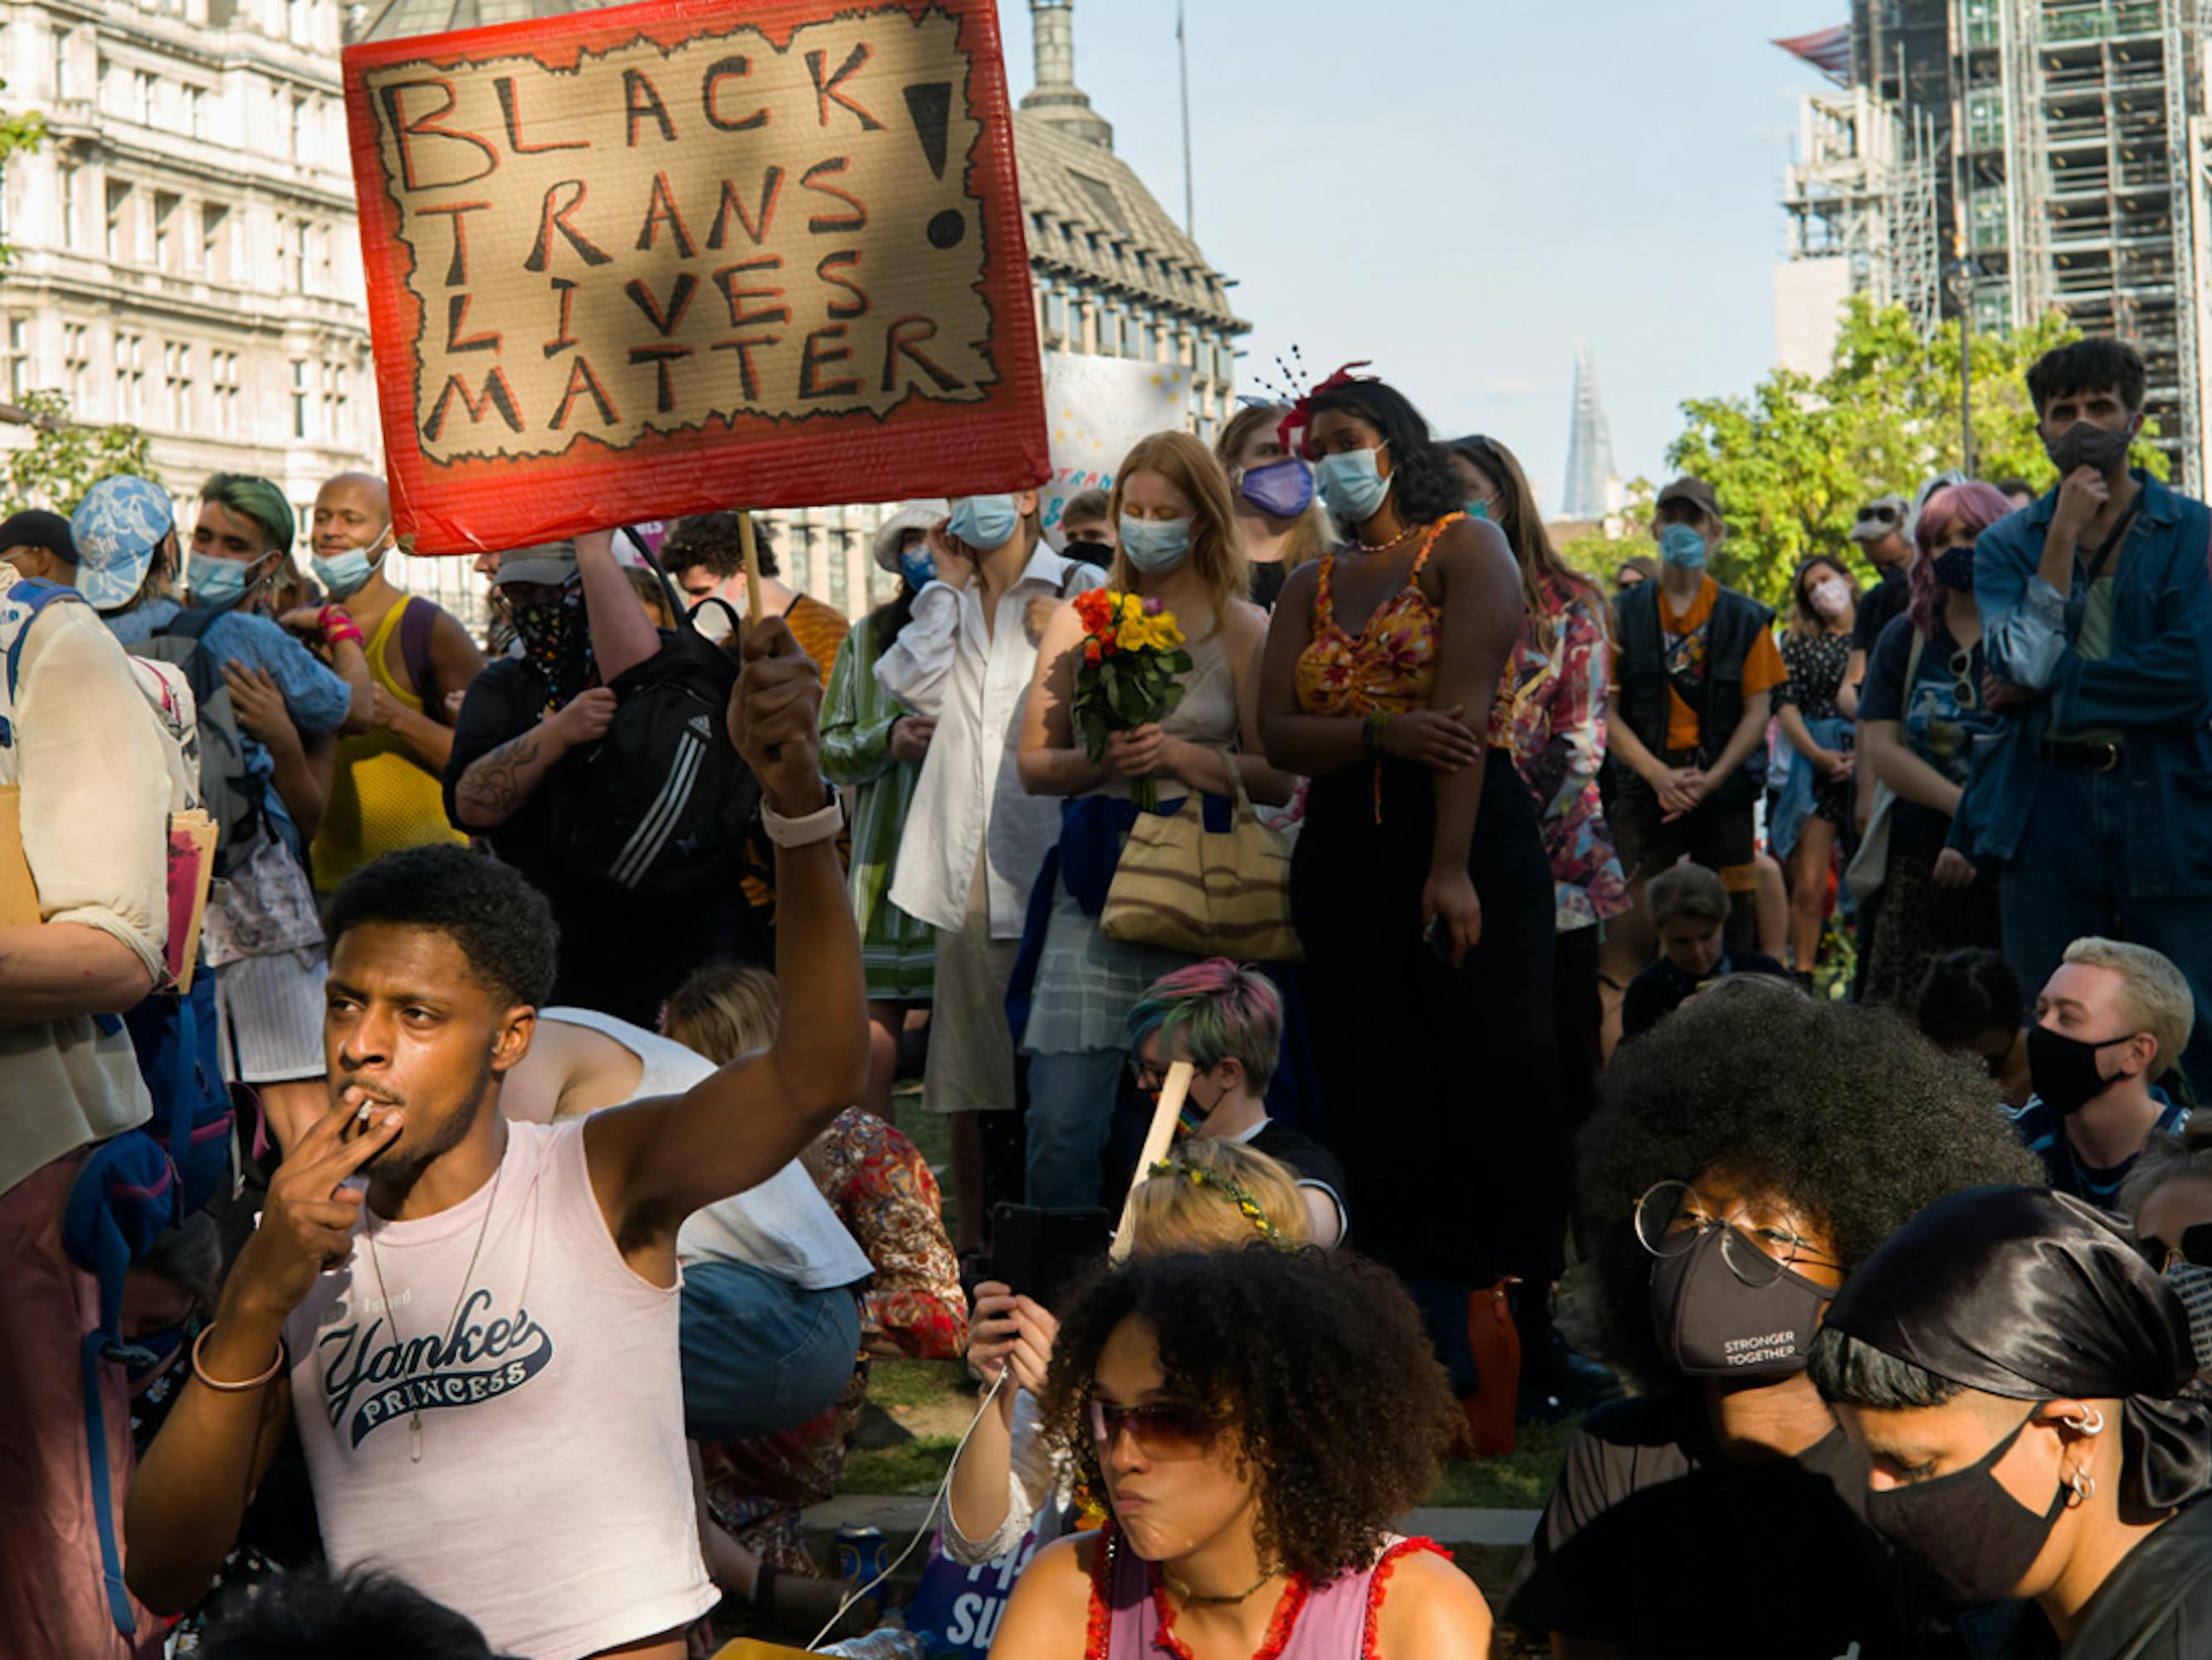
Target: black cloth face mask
point(2064, 1069)
point(1975, 1539)
point(2086, 445)
point(1710, 1324)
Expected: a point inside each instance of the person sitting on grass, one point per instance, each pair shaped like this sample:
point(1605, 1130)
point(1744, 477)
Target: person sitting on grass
point(1227, 1021)
point(1229, 1408)
point(1689, 909)
point(1208, 1195)
point(1749, 1154)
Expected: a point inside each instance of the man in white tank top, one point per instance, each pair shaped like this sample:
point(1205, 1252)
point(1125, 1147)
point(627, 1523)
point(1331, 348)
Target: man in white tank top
point(477, 1318)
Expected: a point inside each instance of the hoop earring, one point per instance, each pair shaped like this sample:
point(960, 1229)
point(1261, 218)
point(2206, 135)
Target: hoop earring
point(2085, 1489)
point(2093, 1424)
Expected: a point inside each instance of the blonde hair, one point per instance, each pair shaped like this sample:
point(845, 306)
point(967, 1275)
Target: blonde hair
point(1193, 1206)
point(1217, 553)
point(723, 1010)
point(2156, 992)
point(1310, 535)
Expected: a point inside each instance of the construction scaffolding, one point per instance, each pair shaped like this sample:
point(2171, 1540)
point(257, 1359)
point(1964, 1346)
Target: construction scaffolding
point(1917, 282)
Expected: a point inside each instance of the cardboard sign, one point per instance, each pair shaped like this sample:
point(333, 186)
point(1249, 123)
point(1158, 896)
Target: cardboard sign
point(666, 258)
point(1095, 409)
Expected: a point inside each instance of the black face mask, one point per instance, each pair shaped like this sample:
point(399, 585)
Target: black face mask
point(1975, 1539)
point(1710, 1324)
point(2084, 445)
point(2065, 1069)
point(1090, 551)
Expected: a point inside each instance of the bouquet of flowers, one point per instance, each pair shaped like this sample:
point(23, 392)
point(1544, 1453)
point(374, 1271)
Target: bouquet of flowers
point(1132, 653)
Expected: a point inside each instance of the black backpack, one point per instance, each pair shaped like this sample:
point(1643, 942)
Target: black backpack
point(663, 805)
point(231, 795)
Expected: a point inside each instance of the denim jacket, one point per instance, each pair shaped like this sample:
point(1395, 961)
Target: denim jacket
point(2156, 687)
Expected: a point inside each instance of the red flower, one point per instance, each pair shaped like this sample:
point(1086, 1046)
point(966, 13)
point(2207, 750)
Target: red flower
point(1091, 651)
point(1096, 610)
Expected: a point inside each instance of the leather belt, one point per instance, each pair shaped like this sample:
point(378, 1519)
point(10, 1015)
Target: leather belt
point(2084, 757)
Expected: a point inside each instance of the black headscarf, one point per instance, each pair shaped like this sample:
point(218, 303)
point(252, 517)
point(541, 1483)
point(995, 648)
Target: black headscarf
point(2035, 1295)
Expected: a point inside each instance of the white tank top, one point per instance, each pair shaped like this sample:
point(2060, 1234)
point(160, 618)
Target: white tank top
point(784, 1226)
point(552, 1504)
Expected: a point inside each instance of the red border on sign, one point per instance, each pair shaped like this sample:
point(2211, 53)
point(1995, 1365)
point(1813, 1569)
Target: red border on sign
point(921, 448)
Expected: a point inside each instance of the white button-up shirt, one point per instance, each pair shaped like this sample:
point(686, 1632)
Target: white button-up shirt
point(974, 683)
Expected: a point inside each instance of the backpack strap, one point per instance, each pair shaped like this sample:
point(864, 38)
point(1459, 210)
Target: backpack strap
point(192, 622)
point(34, 596)
point(416, 621)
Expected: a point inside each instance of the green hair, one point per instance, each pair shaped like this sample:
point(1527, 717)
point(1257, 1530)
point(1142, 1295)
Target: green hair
point(1219, 1010)
point(256, 498)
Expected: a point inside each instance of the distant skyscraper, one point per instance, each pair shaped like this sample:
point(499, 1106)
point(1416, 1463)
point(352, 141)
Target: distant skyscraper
point(1592, 486)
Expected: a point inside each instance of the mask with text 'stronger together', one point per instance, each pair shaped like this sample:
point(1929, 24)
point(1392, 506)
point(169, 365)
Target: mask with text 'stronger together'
point(1710, 1324)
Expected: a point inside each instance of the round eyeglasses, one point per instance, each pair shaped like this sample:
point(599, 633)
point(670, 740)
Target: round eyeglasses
point(1759, 1240)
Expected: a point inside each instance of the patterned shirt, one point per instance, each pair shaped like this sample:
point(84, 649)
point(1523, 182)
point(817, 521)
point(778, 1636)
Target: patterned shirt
point(1559, 723)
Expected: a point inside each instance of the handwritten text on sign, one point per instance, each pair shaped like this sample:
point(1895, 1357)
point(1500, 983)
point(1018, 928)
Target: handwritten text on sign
point(664, 237)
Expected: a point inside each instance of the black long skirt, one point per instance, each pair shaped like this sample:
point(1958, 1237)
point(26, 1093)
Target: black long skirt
point(1441, 1087)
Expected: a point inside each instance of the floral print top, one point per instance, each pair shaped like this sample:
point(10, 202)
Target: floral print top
point(1558, 720)
point(1391, 664)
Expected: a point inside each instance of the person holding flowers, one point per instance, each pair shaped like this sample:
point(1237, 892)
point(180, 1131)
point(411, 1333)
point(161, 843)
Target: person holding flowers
point(1145, 690)
point(1420, 885)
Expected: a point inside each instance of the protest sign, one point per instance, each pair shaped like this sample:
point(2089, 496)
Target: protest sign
point(1096, 409)
point(664, 258)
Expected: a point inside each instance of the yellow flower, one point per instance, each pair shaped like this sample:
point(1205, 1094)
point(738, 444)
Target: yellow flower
point(1135, 633)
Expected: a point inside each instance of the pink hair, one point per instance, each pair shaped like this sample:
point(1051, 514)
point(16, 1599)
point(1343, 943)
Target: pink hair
point(1972, 508)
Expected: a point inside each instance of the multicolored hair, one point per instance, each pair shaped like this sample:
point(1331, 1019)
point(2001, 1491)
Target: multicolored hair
point(1211, 1012)
point(251, 496)
point(1955, 510)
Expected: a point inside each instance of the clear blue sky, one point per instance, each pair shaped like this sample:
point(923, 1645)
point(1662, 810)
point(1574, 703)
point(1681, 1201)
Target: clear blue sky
point(1461, 189)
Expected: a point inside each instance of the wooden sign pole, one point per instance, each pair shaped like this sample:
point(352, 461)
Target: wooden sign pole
point(1157, 1140)
point(752, 565)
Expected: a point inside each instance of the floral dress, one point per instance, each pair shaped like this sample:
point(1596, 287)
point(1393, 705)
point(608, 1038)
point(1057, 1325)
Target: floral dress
point(1817, 664)
point(1559, 729)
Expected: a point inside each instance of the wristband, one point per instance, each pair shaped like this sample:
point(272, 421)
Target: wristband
point(337, 627)
point(1371, 731)
point(822, 825)
point(250, 1384)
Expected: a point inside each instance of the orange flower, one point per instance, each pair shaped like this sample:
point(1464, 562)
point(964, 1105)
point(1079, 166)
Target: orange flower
point(1091, 651)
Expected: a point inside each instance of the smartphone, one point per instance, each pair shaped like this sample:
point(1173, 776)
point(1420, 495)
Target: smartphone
point(1039, 1253)
point(1440, 939)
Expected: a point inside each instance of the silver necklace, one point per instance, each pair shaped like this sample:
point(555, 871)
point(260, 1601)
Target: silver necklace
point(391, 1319)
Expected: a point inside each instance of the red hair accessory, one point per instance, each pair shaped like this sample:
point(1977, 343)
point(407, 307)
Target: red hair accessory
point(1301, 407)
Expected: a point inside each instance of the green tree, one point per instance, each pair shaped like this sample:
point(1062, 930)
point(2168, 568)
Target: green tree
point(63, 458)
point(24, 131)
point(1597, 555)
point(1794, 461)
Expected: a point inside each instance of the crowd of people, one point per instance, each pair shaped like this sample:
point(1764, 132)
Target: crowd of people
point(1822, 999)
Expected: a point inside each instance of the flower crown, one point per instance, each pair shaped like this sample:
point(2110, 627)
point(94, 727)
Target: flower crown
point(1247, 1206)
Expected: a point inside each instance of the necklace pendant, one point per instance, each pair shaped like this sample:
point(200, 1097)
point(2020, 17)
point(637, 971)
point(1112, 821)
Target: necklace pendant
point(414, 1437)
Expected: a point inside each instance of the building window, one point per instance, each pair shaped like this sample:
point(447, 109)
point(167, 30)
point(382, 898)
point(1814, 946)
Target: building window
point(77, 363)
point(195, 111)
point(1055, 313)
point(141, 97)
point(66, 187)
point(214, 241)
point(299, 398)
point(19, 358)
point(118, 226)
point(177, 382)
point(299, 128)
point(223, 375)
point(324, 240)
point(297, 19)
point(296, 255)
point(130, 378)
point(167, 210)
point(63, 84)
point(1109, 332)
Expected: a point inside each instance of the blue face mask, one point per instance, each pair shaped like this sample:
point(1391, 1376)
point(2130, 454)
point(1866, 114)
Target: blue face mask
point(918, 565)
point(1351, 486)
point(347, 573)
point(985, 523)
point(1681, 545)
point(223, 582)
point(1155, 546)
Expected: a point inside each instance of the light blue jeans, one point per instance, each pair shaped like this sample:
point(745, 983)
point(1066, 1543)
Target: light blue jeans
point(760, 1355)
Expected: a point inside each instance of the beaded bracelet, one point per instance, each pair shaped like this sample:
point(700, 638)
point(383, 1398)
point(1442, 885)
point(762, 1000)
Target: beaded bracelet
point(250, 1384)
point(337, 627)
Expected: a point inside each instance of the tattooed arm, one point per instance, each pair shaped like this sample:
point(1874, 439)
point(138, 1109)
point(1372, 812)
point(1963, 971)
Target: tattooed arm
point(493, 787)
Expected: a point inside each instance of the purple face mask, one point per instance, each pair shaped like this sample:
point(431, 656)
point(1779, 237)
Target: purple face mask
point(1283, 488)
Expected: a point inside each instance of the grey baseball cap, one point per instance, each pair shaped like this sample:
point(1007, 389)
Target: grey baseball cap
point(552, 563)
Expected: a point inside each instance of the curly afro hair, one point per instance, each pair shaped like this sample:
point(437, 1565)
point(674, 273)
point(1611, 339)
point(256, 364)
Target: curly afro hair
point(1317, 1364)
point(1843, 1110)
point(503, 926)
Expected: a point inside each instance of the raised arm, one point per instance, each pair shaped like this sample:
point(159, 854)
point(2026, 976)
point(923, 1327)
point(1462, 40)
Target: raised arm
point(622, 635)
point(655, 1162)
